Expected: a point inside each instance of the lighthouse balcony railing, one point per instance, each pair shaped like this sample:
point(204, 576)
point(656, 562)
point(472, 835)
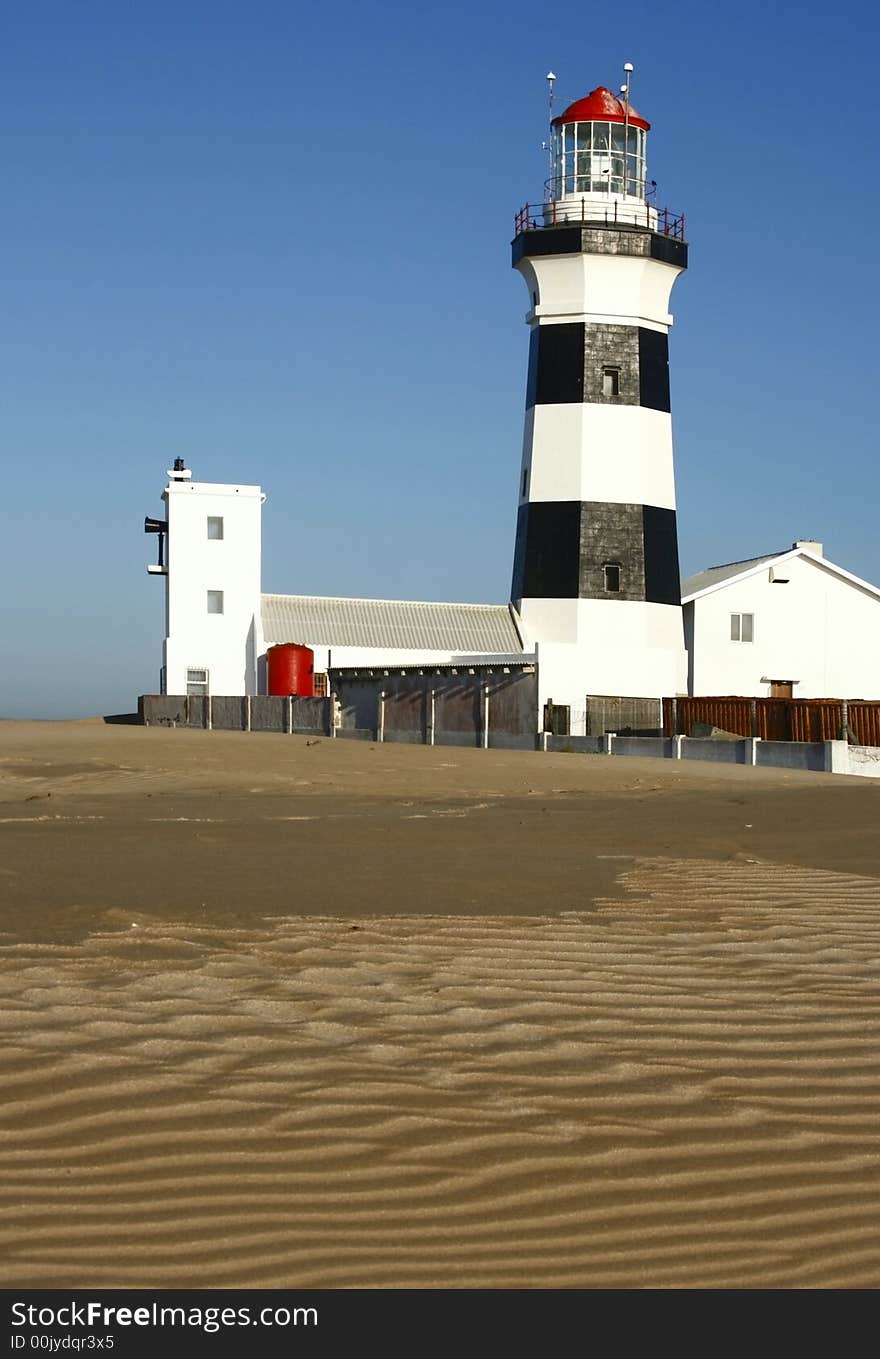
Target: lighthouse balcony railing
point(559, 212)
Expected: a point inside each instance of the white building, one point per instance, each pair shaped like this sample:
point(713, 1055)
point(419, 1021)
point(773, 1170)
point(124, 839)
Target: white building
point(376, 633)
point(213, 626)
point(788, 624)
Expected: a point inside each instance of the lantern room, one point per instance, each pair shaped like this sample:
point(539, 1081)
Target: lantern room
point(598, 161)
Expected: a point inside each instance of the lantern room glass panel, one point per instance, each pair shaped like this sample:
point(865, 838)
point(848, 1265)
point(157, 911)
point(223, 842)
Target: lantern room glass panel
point(598, 157)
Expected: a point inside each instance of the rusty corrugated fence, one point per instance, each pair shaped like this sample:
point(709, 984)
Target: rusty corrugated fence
point(777, 719)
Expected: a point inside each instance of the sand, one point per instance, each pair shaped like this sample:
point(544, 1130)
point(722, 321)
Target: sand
point(335, 1015)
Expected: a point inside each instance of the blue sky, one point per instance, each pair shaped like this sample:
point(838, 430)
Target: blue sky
point(274, 240)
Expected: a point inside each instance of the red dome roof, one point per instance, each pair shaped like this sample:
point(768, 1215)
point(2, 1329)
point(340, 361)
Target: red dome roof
point(600, 106)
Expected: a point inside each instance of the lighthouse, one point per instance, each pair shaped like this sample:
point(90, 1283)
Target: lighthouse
point(595, 576)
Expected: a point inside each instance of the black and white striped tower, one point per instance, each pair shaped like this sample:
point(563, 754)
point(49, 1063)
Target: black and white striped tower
point(595, 575)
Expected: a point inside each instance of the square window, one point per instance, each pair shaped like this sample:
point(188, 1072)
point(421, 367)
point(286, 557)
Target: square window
point(215, 526)
point(215, 601)
point(611, 382)
point(742, 627)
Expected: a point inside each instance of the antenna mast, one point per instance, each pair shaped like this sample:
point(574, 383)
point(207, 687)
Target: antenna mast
point(624, 90)
point(551, 76)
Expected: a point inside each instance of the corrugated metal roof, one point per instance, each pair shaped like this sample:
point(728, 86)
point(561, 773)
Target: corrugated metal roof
point(393, 623)
point(714, 575)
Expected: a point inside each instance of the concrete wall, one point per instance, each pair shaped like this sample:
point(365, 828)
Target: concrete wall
point(657, 746)
point(313, 716)
point(830, 757)
point(722, 752)
point(577, 745)
point(863, 760)
point(301, 716)
point(444, 709)
point(791, 754)
point(820, 630)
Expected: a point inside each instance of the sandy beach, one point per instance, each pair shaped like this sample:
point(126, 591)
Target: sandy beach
point(278, 1012)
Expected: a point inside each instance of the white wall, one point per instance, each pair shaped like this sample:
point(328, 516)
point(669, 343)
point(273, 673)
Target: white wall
point(589, 451)
point(617, 289)
point(226, 644)
point(378, 658)
point(819, 629)
point(618, 647)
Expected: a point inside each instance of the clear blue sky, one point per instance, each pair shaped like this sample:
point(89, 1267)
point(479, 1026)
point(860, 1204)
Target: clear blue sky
point(274, 239)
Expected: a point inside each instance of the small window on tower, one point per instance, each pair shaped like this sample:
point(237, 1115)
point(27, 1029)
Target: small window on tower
point(197, 682)
point(215, 601)
point(525, 482)
point(611, 382)
point(215, 526)
point(612, 577)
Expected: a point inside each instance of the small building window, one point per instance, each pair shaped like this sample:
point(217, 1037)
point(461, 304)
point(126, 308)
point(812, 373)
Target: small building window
point(742, 627)
point(215, 601)
point(197, 682)
point(611, 382)
point(611, 577)
point(215, 526)
point(525, 482)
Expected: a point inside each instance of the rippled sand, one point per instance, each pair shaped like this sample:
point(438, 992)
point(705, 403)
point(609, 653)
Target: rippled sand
point(661, 1070)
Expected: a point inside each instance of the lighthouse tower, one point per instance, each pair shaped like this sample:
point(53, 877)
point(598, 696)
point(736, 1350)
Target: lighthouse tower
point(595, 577)
point(209, 555)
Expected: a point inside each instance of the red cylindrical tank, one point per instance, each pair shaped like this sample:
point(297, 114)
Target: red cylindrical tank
point(291, 670)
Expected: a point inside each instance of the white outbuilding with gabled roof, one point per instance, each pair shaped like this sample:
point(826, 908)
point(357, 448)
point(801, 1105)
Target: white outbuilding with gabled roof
point(787, 623)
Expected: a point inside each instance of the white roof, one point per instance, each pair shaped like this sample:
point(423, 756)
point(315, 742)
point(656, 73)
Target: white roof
point(473, 629)
point(717, 577)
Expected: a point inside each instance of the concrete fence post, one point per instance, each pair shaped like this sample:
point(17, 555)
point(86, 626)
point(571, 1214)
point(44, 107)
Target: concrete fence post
point(247, 713)
point(430, 731)
point(545, 740)
point(752, 750)
point(674, 716)
point(844, 720)
point(209, 713)
point(334, 709)
point(836, 757)
point(380, 726)
point(608, 739)
point(290, 714)
point(485, 717)
point(676, 746)
point(753, 711)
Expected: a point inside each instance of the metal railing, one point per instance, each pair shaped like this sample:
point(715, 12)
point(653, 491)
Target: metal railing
point(558, 212)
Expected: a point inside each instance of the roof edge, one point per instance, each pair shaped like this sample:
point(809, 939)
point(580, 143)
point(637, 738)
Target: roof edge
point(766, 562)
point(409, 603)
